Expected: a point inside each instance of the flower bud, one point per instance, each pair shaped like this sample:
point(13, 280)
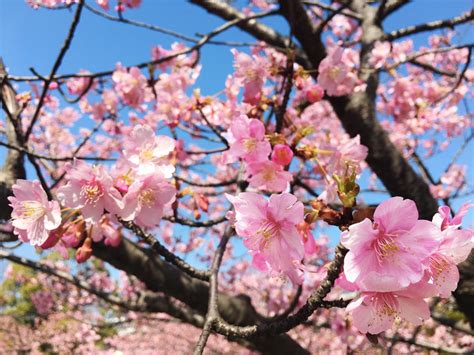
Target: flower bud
point(85, 251)
point(347, 188)
point(282, 154)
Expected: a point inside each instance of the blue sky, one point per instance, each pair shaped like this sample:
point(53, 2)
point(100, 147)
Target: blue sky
point(33, 37)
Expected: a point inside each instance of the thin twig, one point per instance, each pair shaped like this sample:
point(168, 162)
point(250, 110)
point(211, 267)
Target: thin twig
point(57, 64)
point(160, 249)
point(466, 17)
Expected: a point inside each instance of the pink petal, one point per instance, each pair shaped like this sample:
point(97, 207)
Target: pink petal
point(396, 214)
point(286, 207)
point(413, 310)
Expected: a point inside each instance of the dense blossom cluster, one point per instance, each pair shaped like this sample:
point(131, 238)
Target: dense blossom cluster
point(397, 261)
point(136, 188)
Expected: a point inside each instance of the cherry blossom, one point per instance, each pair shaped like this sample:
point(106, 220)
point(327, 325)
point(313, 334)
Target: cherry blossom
point(335, 75)
point(374, 312)
point(146, 199)
point(90, 189)
point(247, 139)
point(386, 255)
point(146, 152)
point(269, 229)
point(268, 175)
point(33, 215)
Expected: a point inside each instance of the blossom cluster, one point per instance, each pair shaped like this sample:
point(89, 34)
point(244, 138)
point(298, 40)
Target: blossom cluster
point(136, 188)
point(396, 261)
point(248, 142)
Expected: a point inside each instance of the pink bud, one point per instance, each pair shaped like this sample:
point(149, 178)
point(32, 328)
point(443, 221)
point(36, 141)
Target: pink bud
point(52, 240)
point(282, 154)
point(53, 85)
point(314, 94)
point(85, 251)
point(121, 184)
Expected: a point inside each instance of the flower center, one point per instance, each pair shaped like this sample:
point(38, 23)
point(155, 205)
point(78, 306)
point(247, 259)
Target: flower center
point(334, 73)
point(147, 197)
point(268, 174)
point(386, 305)
point(267, 231)
point(251, 73)
point(146, 154)
point(437, 265)
point(31, 210)
point(250, 144)
point(92, 192)
point(384, 247)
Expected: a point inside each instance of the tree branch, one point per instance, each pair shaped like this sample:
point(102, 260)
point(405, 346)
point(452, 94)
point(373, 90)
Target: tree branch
point(468, 16)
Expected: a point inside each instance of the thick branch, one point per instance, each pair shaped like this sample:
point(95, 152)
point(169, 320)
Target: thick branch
point(258, 30)
point(13, 168)
point(162, 277)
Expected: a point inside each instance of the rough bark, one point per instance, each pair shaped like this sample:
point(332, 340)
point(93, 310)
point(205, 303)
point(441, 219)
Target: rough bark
point(13, 167)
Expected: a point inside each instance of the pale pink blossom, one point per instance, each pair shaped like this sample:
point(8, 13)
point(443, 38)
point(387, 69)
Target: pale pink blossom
point(268, 175)
point(103, 4)
point(90, 189)
point(132, 4)
point(77, 86)
point(335, 74)
point(247, 139)
point(374, 312)
point(443, 218)
point(253, 72)
point(351, 153)
point(282, 154)
point(34, 217)
point(130, 85)
point(270, 232)
point(146, 152)
point(454, 247)
point(380, 53)
point(146, 200)
point(107, 230)
point(386, 255)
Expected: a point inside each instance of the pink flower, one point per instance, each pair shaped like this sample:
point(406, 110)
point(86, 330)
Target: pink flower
point(146, 199)
point(375, 312)
point(386, 255)
point(441, 271)
point(314, 93)
point(34, 217)
point(90, 189)
point(349, 153)
point(267, 175)
point(443, 218)
point(252, 71)
point(103, 4)
point(84, 252)
point(77, 86)
point(131, 85)
point(282, 154)
point(334, 74)
point(132, 3)
point(247, 139)
point(146, 152)
point(380, 53)
point(270, 232)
